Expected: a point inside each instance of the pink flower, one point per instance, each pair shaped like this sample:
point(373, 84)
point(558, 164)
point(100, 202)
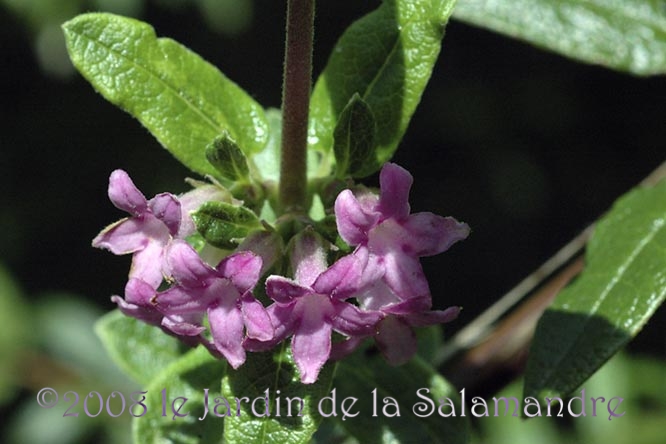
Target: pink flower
point(383, 230)
point(312, 305)
point(146, 233)
point(223, 293)
point(139, 303)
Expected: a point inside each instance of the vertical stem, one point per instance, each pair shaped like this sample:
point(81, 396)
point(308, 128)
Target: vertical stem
point(295, 104)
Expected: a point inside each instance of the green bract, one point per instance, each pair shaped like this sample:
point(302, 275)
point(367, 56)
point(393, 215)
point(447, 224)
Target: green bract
point(228, 159)
point(184, 101)
point(224, 225)
point(627, 35)
point(386, 57)
point(623, 283)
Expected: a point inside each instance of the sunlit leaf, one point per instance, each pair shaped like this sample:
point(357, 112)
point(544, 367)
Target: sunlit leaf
point(623, 283)
point(140, 350)
point(386, 57)
point(627, 35)
point(184, 101)
point(175, 403)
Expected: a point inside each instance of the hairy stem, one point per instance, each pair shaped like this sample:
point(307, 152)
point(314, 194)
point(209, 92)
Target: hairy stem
point(295, 104)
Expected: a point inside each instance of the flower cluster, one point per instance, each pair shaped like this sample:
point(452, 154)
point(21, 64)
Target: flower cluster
point(376, 291)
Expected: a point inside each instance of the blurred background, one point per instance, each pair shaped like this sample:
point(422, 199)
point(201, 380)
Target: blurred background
point(525, 146)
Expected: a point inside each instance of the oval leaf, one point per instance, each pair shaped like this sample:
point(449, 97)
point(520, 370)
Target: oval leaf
point(627, 35)
point(387, 58)
point(273, 378)
point(176, 402)
point(139, 349)
point(227, 158)
point(184, 101)
point(623, 283)
point(224, 225)
point(354, 140)
point(372, 381)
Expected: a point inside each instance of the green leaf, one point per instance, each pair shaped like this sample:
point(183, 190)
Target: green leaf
point(140, 350)
point(184, 101)
point(354, 140)
point(265, 376)
point(267, 162)
point(223, 153)
point(225, 225)
point(623, 283)
point(372, 381)
point(627, 35)
point(386, 57)
point(181, 388)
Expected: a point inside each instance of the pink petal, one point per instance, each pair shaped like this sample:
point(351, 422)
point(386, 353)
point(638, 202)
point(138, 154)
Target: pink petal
point(283, 290)
point(404, 276)
point(431, 234)
point(183, 326)
point(139, 292)
point(409, 306)
point(166, 208)
point(342, 278)
point(283, 322)
point(148, 264)
point(353, 219)
point(377, 296)
point(351, 321)
point(122, 237)
point(242, 268)
point(226, 327)
point(185, 265)
point(396, 340)
point(125, 195)
point(308, 258)
point(180, 300)
point(395, 183)
point(311, 344)
point(257, 322)
point(142, 313)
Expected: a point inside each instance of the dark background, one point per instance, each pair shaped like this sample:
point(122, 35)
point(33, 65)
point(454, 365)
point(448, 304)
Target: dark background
point(525, 146)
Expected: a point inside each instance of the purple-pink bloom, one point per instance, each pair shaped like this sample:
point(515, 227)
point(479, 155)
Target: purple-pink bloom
point(146, 233)
point(393, 238)
point(224, 293)
point(312, 305)
point(383, 230)
point(139, 303)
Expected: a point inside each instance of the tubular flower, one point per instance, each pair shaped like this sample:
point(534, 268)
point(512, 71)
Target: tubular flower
point(139, 303)
point(393, 238)
point(312, 305)
point(383, 230)
point(378, 291)
point(223, 293)
point(146, 233)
